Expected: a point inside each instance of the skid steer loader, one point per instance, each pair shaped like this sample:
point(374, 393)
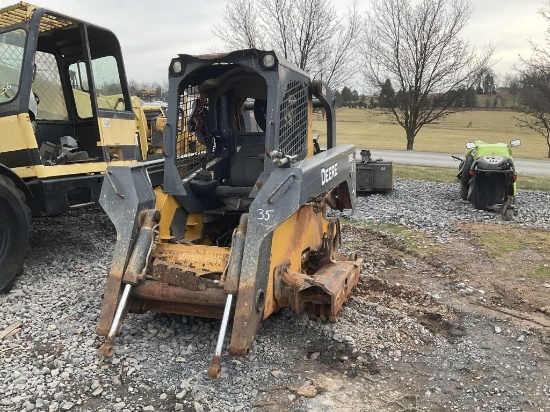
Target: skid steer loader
point(239, 228)
point(65, 115)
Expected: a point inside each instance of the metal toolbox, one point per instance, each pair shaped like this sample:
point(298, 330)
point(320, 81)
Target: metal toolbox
point(373, 175)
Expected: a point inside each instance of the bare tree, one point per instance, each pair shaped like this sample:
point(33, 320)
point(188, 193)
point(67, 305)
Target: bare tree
point(535, 98)
point(307, 32)
point(534, 86)
point(419, 49)
point(241, 27)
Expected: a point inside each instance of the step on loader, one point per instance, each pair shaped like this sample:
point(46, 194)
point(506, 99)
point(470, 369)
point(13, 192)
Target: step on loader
point(239, 228)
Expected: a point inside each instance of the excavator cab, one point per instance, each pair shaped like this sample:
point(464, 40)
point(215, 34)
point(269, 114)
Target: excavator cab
point(239, 227)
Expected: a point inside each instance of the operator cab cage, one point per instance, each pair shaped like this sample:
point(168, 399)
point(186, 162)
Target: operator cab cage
point(73, 67)
point(234, 111)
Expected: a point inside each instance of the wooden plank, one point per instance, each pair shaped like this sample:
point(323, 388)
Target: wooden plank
point(10, 330)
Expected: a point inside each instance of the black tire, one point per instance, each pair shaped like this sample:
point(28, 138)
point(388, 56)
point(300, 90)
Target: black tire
point(465, 177)
point(15, 223)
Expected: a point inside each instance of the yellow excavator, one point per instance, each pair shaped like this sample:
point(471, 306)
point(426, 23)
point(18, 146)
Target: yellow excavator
point(239, 227)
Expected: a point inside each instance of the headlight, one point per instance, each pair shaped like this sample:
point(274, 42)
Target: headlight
point(177, 67)
point(268, 61)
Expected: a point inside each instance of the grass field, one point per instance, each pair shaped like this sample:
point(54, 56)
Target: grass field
point(367, 128)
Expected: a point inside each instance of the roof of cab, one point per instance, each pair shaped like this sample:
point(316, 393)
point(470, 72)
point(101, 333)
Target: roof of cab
point(23, 11)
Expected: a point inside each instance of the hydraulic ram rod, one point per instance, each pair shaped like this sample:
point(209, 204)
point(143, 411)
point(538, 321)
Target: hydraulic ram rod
point(214, 369)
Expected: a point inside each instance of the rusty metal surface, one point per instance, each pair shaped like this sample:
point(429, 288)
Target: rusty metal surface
point(245, 321)
point(141, 253)
point(214, 369)
point(253, 281)
point(110, 301)
point(321, 295)
point(177, 275)
point(210, 258)
point(154, 290)
point(124, 213)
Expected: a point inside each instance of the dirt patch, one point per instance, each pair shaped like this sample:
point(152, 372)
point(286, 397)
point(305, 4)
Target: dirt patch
point(485, 311)
point(470, 269)
point(485, 345)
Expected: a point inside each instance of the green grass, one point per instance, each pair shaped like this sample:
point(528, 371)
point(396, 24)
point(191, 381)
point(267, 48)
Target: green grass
point(542, 272)
point(499, 245)
point(368, 128)
point(509, 246)
point(434, 174)
point(448, 175)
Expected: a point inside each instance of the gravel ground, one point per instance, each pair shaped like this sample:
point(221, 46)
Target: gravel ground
point(52, 363)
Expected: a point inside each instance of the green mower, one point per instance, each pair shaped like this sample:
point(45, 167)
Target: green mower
point(488, 176)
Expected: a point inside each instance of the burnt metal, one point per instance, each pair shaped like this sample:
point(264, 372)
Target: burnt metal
point(188, 279)
point(308, 182)
point(176, 275)
point(160, 291)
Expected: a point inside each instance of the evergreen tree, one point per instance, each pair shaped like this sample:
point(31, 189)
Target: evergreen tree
point(387, 94)
point(347, 95)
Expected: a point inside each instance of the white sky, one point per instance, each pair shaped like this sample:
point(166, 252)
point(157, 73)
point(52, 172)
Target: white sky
point(151, 33)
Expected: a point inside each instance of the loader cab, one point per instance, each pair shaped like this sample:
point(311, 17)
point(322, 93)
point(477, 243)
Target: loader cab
point(64, 105)
point(239, 114)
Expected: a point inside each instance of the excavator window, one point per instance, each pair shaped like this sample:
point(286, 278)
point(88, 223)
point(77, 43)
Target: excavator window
point(80, 89)
point(12, 47)
point(47, 86)
point(107, 83)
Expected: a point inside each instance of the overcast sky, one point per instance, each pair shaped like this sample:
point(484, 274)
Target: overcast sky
point(152, 32)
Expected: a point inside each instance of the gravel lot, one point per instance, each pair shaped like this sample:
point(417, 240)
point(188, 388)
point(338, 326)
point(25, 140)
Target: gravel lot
point(376, 358)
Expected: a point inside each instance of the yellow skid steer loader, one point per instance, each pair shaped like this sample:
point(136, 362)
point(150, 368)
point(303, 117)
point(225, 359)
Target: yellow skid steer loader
point(239, 227)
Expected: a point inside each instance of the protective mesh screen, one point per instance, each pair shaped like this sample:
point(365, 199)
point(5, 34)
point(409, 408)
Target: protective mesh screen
point(193, 128)
point(47, 85)
point(11, 60)
point(293, 120)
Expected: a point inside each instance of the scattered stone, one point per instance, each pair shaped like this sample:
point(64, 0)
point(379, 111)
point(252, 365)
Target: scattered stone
point(52, 362)
point(277, 374)
point(67, 406)
point(309, 391)
point(314, 355)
